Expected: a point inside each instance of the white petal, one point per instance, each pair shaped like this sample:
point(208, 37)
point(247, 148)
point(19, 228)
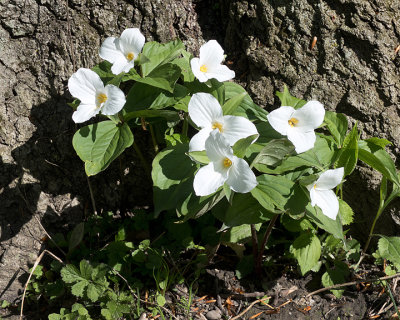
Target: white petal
point(197, 143)
point(204, 109)
point(132, 40)
point(278, 119)
point(109, 51)
point(84, 84)
point(330, 179)
point(302, 141)
point(120, 65)
point(328, 202)
point(236, 128)
point(84, 112)
point(195, 64)
point(207, 180)
point(115, 100)
point(220, 72)
point(240, 177)
point(312, 194)
point(211, 54)
point(310, 116)
point(218, 148)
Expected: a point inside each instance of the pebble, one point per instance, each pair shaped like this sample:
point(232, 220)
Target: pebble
point(213, 315)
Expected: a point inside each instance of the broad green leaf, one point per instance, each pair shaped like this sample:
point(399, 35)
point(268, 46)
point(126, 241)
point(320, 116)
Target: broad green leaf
point(169, 115)
point(163, 77)
point(86, 269)
point(337, 125)
point(194, 207)
point(103, 69)
point(389, 248)
point(294, 225)
point(172, 175)
point(76, 236)
point(240, 147)
point(307, 251)
point(272, 153)
point(184, 64)
point(334, 227)
point(233, 103)
point(78, 288)
point(100, 143)
point(71, 274)
point(349, 153)
point(335, 276)
point(247, 107)
point(288, 100)
point(346, 213)
point(272, 192)
point(160, 300)
point(379, 159)
point(382, 143)
point(157, 54)
point(93, 292)
point(199, 156)
point(239, 233)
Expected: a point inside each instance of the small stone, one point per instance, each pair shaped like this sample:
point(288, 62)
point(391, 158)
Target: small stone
point(213, 315)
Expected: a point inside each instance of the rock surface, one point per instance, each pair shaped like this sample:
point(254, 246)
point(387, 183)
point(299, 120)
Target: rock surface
point(353, 69)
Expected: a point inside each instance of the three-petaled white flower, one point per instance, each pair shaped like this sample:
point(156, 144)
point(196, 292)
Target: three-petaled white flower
point(209, 65)
point(122, 51)
point(87, 86)
point(224, 167)
point(322, 195)
point(206, 112)
point(298, 125)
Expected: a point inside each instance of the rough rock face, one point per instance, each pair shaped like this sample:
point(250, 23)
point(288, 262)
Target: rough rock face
point(352, 68)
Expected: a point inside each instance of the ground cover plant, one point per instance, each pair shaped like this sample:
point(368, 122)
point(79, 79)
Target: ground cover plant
point(225, 172)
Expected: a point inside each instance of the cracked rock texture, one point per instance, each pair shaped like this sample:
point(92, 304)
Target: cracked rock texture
point(352, 69)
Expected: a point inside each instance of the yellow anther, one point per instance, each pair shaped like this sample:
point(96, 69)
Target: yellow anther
point(227, 162)
point(217, 125)
point(315, 186)
point(293, 121)
point(101, 98)
point(203, 68)
point(130, 56)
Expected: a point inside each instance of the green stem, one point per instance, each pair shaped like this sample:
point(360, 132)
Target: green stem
point(264, 242)
point(255, 247)
point(142, 159)
point(185, 125)
point(153, 138)
point(91, 196)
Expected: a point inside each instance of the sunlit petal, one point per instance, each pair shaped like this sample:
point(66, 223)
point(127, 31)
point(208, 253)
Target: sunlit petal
point(84, 112)
point(302, 141)
point(310, 116)
point(211, 54)
point(115, 100)
point(236, 128)
point(207, 180)
point(132, 40)
point(195, 65)
point(312, 194)
point(197, 143)
point(84, 84)
point(120, 65)
point(204, 109)
point(220, 72)
point(328, 202)
point(109, 51)
point(240, 177)
point(330, 179)
point(279, 119)
point(217, 147)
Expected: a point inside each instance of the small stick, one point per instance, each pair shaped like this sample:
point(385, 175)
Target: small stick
point(264, 242)
point(248, 308)
point(397, 49)
point(314, 41)
point(346, 284)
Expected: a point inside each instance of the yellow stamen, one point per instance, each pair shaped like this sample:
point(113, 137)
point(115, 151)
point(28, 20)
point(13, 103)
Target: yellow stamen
point(130, 56)
point(203, 68)
point(315, 186)
point(227, 162)
point(101, 98)
point(217, 125)
point(292, 122)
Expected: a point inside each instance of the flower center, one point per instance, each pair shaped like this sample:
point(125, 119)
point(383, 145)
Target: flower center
point(101, 98)
point(130, 56)
point(315, 186)
point(227, 162)
point(203, 68)
point(217, 125)
point(292, 122)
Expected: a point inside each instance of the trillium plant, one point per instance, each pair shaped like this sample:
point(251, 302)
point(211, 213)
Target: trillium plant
point(226, 157)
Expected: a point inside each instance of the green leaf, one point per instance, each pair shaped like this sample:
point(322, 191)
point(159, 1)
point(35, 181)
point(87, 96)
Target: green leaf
point(92, 292)
point(382, 143)
point(103, 69)
point(247, 108)
point(71, 274)
point(335, 276)
point(163, 77)
point(233, 103)
point(307, 251)
point(289, 100)
point(194, 207)
point(294, 225)
point(76, 236)
point(169, 115)
point(337, 125)
point(239, 233)
point(199, 156)
point(184, 64)
point(272, 153)
point(379, 159)
point(157, 54)
point(334, 227)
point(160, 300)
point(272, 191)
point(100, 143)
point(78, 288)
point(346, 213)
point(240, 147)
point(349, 153)
point(389, 248)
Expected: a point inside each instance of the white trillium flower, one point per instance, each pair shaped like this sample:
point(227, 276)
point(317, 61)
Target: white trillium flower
point(322, 195)
point(87, 86)
point(209, 65)
point(123, 51)
point(298, 125)
point(224, 167)
point(206, 112)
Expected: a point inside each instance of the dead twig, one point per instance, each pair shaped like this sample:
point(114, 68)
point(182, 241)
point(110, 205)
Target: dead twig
point(248, 308)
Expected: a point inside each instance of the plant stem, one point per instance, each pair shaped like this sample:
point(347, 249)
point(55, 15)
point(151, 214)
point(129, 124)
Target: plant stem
point(142, 159)
point(92, 196)
point(185, 125)
point(264, 242)
point(153, 138)
point(255, 245)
